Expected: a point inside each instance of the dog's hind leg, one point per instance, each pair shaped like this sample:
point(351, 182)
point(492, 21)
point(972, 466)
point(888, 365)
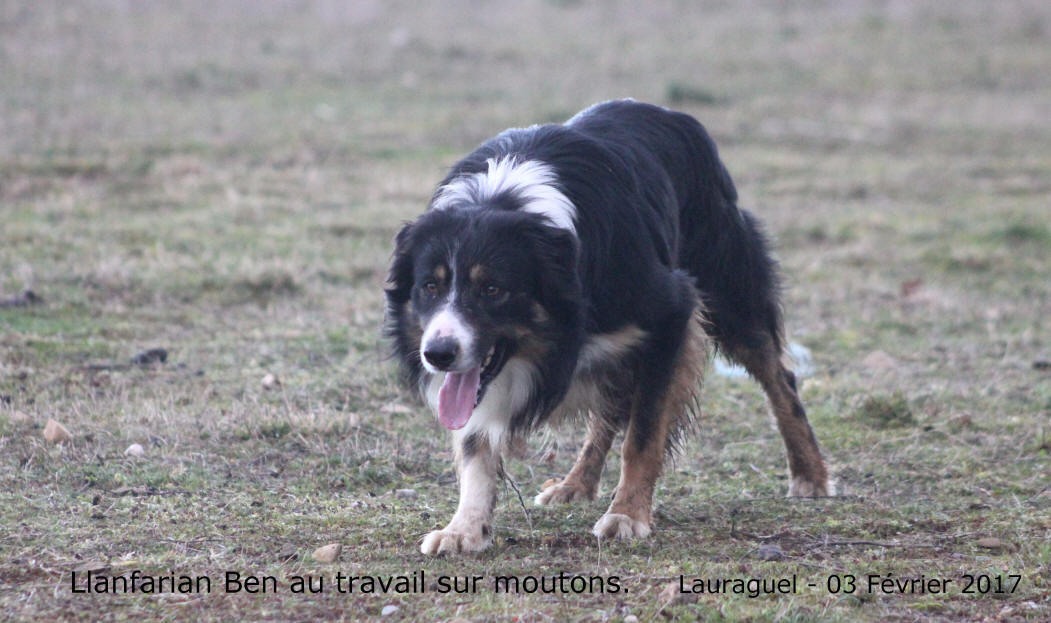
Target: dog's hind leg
point(806, 468)
point(470, 529)
point(667, 381)
point(581, 483)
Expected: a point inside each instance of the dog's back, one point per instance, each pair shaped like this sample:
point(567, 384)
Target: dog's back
point(720, 245)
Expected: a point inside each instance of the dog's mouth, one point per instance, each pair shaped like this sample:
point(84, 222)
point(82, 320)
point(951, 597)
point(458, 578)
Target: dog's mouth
point(462, 391)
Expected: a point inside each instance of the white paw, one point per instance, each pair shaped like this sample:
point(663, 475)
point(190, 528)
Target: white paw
point(453, 541)
point(617, 526)
point(562, 493)
point(800, 487)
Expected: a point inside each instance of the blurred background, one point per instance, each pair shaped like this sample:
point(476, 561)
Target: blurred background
point(223, 180)
point(222, 152)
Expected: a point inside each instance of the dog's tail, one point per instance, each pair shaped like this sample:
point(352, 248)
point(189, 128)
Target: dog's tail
point(727, 252)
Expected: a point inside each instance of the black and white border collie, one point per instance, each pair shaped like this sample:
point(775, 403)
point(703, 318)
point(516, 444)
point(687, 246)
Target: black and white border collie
point(583, 268)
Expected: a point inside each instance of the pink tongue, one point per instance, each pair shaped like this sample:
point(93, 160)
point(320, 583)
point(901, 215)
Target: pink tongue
point(456, 398)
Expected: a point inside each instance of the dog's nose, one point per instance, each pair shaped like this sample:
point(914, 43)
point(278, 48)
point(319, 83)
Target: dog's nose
point(441, 353)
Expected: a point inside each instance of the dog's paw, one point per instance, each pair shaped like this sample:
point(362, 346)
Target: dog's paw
point(617, 526)
point(563, 492)
point(454, 541)
point(800, 487)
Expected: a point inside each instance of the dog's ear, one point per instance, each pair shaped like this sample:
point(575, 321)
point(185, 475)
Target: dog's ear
point(555, 251)
point(399, 278)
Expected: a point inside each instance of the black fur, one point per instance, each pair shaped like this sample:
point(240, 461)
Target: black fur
point(592, 313)
point(656, 221)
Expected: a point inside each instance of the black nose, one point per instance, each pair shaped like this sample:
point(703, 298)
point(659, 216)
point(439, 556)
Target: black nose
point(441, 352)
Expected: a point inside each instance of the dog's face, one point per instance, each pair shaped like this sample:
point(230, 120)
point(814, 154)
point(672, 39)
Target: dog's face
point(472, 289)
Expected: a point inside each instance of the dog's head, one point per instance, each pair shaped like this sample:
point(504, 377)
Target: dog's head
point(469, 289)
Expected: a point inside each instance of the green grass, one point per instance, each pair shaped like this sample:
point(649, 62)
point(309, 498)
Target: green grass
point(225, 184)
point(885, 412)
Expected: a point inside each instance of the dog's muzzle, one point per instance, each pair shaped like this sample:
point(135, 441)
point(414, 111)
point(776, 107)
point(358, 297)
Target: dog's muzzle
point(441, 352)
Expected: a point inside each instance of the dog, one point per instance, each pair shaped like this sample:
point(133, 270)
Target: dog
point(584, 268)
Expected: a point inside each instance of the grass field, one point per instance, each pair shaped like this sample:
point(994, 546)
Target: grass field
point(223, 181)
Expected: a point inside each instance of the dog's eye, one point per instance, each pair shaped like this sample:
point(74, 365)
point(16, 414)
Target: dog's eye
point(491, 291)
point(431, 287)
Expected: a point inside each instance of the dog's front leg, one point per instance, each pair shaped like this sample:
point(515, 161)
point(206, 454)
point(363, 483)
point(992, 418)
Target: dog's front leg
point(470, 529)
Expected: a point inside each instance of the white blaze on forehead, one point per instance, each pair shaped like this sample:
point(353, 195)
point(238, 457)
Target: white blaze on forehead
point(448, 323)
point(532, 182)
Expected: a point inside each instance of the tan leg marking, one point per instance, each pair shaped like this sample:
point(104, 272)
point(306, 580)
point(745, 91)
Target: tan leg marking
point(631, 513)
point(581, 483)
point(807, 471)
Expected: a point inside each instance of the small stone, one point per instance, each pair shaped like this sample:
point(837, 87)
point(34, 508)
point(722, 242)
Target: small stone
point(20, 418)
point(327, 553)
point(879, 360)
point(151, 356)
point(990, 542)
point(93, 566)
point(388, 610)
point(55, 432)
point(405, 493)
point(631, 618)
point(22, 300)
point(270, 381)
point(670, 595)
point(288, 554)
point(910, 287)
point(770, 552)
point(394, 407)
point(135, 449)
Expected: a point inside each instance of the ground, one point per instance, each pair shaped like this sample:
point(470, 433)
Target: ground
point(223, 181)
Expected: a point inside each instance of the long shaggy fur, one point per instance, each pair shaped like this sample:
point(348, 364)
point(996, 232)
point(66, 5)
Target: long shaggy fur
point(583, 267)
